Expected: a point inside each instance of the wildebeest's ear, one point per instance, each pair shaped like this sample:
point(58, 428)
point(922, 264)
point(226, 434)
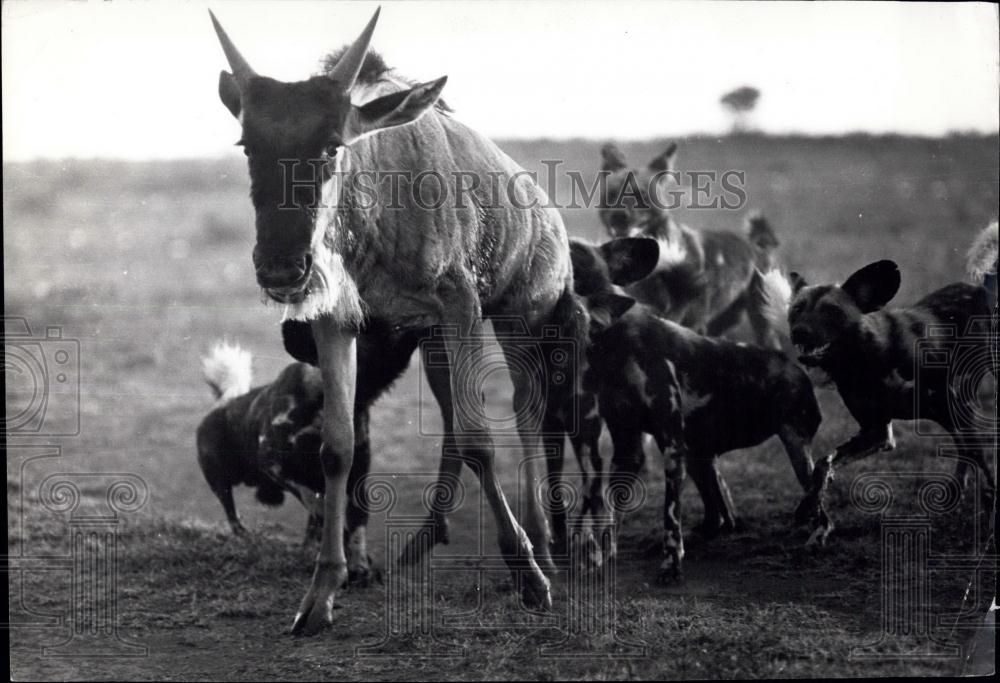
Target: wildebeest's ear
point(229, 92)
point(665, 162)
point(630, 259)
point(798, 282)
point(613, 158)
point(873, 286)
point(299, 341)
point(395, 109)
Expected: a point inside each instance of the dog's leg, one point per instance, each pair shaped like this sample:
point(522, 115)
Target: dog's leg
point(593, 510)
point(673, 535)
point(224, 493)
point(621, 491)
point(212, 460)
point(728, 318)
point(356, 517)
point(730, 520)
point(705, 481)
point(797, 447)
point(871, 439)
point(969, 449)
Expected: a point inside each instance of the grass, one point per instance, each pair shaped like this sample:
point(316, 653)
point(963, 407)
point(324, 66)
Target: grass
point(147, 264)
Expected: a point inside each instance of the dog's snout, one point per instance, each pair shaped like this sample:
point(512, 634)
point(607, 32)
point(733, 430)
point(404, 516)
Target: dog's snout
point(801, 335)
point(289, 271)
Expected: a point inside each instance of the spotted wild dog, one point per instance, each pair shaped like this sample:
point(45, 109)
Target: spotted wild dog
point(871, 354)
point(267, 437)
point(698, 397)
point(703, 280)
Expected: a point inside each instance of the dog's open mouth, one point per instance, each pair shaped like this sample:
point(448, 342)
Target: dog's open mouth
point(288, 295)
point(812, 355)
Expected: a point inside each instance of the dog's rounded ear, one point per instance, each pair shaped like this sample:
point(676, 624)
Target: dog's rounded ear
point(299, 341)
point(873, 286)
point(630, 259)
point(614, 159)
point(798, 282)
point(665, 161)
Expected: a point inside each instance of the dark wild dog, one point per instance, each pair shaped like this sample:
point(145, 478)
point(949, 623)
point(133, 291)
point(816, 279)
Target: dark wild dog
point(871, 355)
point(697, 397)
point(267, 438)
point(703, 280)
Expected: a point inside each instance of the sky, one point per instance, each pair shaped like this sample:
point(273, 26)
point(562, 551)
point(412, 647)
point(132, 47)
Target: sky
point(138, 80)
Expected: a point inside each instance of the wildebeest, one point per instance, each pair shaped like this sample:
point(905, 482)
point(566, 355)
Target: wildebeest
point(704, 277)
point(698, 397)
point(891, 363)
point(336, 258)
point(267, 437)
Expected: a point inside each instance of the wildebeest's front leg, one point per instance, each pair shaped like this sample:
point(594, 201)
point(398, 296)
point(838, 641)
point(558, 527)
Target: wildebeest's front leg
point(871, 439)
point(338, 364)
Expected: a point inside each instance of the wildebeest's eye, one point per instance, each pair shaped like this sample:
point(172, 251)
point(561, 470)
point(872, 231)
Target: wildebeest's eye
point(331, 149)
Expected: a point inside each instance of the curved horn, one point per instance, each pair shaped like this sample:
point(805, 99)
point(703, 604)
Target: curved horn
point(349, 65)
point(241, 69)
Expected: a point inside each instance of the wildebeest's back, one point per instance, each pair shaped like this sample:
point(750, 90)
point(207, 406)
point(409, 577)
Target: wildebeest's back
point(501, 236)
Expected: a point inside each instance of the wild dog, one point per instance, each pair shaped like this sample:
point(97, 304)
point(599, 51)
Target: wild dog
point(871, 355)
point(698, 397)
point(703, 279)
point(267, 437)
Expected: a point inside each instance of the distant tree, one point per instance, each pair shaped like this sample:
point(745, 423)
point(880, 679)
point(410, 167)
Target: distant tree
point(740, 103)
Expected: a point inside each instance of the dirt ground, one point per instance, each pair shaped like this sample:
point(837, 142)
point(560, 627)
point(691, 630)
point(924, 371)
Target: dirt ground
point(120, 565)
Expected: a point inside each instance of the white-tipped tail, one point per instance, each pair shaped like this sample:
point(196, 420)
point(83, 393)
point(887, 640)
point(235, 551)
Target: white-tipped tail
point(227, 370)
point(772, 293)
point(982, 257)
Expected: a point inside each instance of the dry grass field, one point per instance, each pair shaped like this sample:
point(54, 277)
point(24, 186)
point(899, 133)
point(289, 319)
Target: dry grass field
point(146, 264)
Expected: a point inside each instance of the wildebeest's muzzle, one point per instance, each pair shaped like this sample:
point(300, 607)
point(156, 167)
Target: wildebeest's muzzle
point(284, 278)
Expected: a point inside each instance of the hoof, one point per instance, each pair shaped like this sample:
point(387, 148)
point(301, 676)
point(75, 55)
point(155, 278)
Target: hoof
point(535, 591)
point(316, 609)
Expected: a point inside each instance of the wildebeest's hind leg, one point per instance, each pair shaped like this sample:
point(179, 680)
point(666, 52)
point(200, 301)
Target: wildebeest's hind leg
point(528, 372)
point(473, 439)
point(446, 495)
